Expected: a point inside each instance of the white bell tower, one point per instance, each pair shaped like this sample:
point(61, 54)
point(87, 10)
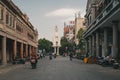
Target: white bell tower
point(56, 41)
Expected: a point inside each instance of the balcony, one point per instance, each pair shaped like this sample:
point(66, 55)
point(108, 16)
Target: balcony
point(109, 11)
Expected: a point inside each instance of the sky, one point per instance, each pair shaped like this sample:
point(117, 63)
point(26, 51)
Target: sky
point(46, 14)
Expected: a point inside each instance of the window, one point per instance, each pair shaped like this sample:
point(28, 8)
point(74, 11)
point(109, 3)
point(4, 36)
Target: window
point(11, 20)
point(18, 28)
point(7, 18)
point(1, 13)
point(30, 36)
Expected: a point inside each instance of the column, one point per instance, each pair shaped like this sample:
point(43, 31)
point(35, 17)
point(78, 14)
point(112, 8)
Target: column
point(93, 49)
point(102, 40)
point(54, 50)
point(86, 46)
point(90, 48)
point(115, 39)
point(97, 44)
point(21, 51)
point(26, 50)
point(4, 50)
point(105, 42)
point(30, 51)
point(15, 48)
point(57, 50)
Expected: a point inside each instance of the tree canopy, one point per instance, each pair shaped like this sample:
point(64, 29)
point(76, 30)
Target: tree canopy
point(66, 46)
point(44, 44)
point(81, 44)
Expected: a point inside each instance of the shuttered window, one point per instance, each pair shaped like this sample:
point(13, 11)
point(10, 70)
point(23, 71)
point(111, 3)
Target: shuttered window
point(1, 13)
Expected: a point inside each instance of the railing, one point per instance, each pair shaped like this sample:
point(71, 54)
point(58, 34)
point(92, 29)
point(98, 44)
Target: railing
point(102, 15)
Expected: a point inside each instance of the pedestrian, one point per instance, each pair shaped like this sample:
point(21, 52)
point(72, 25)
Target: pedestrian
point(41, 55)
point(50, 56)
point(34, 56)
point(71, 56)
point(55, 55)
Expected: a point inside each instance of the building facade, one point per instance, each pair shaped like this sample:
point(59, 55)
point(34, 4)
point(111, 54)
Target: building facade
point(103, 28)
point(79, 23)
point(18, 38)
point(69, 31)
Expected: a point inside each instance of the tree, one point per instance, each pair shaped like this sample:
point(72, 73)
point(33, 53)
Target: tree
point(44, 44)
point(66, 46)
point(81, 44)
point(80, 34)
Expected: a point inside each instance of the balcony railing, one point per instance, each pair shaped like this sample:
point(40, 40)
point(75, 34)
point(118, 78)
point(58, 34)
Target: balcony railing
point(103, 15)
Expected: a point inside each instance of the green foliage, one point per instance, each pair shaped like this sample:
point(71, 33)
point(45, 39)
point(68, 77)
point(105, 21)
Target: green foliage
point(81, 44)
point(66, 46)
point(45, 44)
point(80, 34)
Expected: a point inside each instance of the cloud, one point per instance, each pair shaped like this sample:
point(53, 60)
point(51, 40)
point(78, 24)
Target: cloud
point(63, 12)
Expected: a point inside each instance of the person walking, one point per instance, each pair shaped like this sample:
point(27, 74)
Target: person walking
point(71, 56)
point(33, 60)
point(50, 56)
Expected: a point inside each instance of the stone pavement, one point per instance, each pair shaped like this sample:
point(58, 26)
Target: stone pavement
point(6, 68)
point(60, 68)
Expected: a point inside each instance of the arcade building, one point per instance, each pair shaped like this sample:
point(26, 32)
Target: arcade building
point(103, 28)
point(18, 38)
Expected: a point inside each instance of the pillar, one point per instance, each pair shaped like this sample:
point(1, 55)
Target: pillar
point(15, 48)
point(93, 47)
point(54, 50)
point(21, 51)
point(30, 51)
point(90, 46)
point(105, 42)
point(4, 50)
point(102, 40)
point(57, 50)
point(97, 44)
point(86, 46)
point(26, 50)
point(115, 39)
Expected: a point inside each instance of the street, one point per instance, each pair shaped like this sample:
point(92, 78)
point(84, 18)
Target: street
point(60, 68)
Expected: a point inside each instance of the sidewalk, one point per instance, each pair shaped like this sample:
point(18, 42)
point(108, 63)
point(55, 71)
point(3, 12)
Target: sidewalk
point(5, 66)
point(8, 67)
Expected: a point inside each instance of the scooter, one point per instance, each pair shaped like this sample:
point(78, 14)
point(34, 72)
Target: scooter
point(33, 63)
point(70, 58)
point(50, 57)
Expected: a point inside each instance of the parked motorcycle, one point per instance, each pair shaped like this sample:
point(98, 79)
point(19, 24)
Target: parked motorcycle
point(33, 63)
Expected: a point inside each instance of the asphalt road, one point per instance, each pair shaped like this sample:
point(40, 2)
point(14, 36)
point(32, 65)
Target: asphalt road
point(60, 68)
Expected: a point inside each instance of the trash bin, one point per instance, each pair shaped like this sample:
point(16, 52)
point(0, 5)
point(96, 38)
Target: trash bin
point(85, 60)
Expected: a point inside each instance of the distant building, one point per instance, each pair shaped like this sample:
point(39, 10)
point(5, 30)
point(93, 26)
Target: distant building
point(103, 28)
point(79, 23)
point(18, 38)
point(56, 41)
point(69, 30)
